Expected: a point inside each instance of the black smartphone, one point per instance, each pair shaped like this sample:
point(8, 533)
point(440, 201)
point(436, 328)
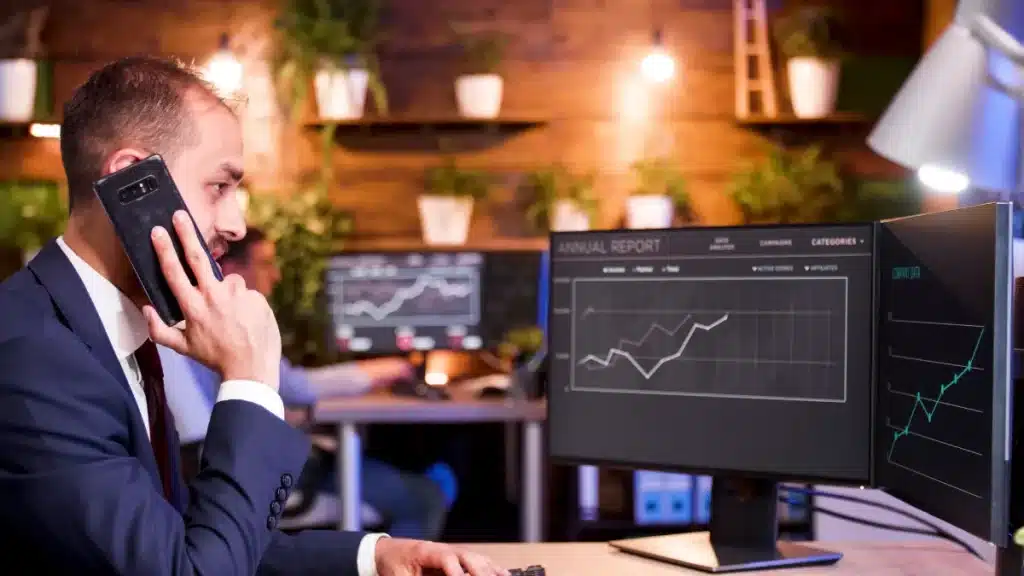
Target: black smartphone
point(137, 199)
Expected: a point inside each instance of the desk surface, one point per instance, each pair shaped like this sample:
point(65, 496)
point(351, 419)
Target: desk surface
point(381, 408)
point(859, 559)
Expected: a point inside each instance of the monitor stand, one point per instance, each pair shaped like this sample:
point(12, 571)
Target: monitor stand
point(743, 534)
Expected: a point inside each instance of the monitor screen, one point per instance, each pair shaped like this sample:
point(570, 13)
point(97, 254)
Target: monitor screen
point(743, 350)
point(405, 301)
point(941, 424)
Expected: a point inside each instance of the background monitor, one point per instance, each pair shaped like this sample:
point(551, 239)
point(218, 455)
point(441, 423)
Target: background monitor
point(942, 421)
point(398, 302)
point(402, 302)
point(741, 352)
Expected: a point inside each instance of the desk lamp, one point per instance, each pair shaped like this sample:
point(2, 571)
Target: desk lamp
point(957, 119)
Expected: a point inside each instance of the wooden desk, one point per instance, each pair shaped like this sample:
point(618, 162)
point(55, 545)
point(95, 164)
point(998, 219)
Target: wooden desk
point(383, 408)
point(859, 559)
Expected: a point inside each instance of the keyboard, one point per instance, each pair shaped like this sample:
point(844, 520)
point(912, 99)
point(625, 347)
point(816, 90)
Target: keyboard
point(534, 570)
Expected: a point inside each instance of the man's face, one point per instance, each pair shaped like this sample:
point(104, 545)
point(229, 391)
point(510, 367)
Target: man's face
point(260, 271)
point(207, 174)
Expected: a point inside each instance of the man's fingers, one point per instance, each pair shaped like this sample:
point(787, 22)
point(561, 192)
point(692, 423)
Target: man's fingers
point(451, 565)
point(163, 334)
point(478, 565)
point(172, 269)
point(234, 283)
point(197, 258)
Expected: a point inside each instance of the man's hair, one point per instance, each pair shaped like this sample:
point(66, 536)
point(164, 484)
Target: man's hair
point(239, 252)
point(139, 102)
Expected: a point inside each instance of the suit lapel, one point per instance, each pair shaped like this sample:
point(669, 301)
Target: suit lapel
point(55, 272)
point(67, 291)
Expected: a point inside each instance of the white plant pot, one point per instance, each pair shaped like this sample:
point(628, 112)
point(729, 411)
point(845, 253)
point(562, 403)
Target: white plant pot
point(813, 86)
point(653, 211)
point(341, 93)
point(445, 219)
point(17, 89)
point(479, 95)
point(567, 216)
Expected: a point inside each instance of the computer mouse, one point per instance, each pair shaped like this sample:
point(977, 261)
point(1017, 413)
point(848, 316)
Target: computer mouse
point(492, 392)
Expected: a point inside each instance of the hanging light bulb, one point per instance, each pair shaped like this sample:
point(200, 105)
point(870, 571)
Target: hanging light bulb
point(224, 71)
point(658, 66)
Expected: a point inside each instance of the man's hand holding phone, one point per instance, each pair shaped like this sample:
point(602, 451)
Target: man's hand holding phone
point(227, 327)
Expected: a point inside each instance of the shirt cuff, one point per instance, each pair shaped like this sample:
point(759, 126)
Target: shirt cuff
point(254, 392)
point(366, 557)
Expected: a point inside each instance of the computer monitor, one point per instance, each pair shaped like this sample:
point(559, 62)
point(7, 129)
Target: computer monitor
point(743, 352)
point(943, 420)
point(402, 302)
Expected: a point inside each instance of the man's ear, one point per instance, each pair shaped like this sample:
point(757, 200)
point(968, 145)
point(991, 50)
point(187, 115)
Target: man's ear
point(122, 159)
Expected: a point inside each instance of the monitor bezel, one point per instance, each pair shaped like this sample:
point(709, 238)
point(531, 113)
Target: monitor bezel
point(866, 479)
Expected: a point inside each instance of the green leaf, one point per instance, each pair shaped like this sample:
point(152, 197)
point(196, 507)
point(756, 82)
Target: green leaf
point(311, 34)
point(547, 186)
point(31, 213)
point(306, 228)
point(448, 179)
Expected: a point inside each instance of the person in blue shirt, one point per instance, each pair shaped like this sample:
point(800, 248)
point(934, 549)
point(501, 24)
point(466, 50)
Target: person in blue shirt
point(411, 505)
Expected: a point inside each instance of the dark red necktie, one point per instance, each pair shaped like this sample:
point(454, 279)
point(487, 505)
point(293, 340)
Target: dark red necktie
point(148, 360)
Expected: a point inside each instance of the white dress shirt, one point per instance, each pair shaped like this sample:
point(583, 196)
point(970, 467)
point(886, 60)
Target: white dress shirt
point(127, 330)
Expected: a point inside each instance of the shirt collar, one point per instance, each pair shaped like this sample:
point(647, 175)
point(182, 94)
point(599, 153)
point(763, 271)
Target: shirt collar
point(122, 320)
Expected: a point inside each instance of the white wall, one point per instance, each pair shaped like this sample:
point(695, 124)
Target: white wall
point(829, 529)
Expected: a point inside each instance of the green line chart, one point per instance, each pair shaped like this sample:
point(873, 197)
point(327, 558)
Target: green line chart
point(919, 401)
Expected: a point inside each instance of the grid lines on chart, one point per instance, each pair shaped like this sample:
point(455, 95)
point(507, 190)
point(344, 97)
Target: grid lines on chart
point(764, 338)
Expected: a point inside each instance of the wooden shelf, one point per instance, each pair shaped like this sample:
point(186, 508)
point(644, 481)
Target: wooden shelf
point(787, 120)
point(403, 125)
point(432, 135)
point(415, 243)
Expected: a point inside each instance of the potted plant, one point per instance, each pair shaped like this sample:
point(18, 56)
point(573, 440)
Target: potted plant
point(789, 187)
point(807, 41)
point(660, 192)
point(331, 44)
point(562, 201)
point(446, 206)
point(306, 228)
point(31, 214)
point(479, 90)
point(20, 48)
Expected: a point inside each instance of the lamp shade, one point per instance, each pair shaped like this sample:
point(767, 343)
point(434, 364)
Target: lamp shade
point(949, 118)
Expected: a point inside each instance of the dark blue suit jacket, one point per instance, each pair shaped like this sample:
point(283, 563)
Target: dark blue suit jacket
point(81, 490)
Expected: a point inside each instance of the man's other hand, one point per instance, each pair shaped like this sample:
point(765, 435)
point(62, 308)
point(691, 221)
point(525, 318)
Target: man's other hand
point(401, 557)
point(382, 372)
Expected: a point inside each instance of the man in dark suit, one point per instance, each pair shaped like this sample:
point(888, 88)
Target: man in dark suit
point(88, 451)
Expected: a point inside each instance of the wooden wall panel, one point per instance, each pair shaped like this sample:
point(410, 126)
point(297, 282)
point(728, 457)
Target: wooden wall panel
point(573, 63)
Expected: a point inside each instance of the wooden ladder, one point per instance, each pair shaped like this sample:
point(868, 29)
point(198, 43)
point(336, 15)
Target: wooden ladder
point(755, 79)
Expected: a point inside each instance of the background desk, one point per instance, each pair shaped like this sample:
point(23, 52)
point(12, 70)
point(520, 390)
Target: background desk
point(860, 559)
point(384, 408)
